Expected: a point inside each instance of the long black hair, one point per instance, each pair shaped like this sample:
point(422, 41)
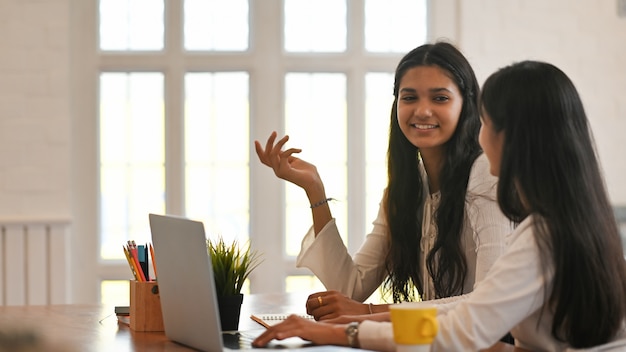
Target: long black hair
point(404, 198)
point(549, 168)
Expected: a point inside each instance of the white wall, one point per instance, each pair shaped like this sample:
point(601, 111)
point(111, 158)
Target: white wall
point(34, 109)
point(585, 38)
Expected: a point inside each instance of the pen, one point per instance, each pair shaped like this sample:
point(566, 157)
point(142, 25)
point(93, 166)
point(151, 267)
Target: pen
point(260, 321)
point(153, 261)
point(147, 256)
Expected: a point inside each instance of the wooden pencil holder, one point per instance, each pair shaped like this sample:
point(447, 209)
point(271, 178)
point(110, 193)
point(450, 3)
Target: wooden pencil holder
point(145, 306)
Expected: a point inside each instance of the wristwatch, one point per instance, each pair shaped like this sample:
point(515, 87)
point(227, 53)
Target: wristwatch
point(352, 332)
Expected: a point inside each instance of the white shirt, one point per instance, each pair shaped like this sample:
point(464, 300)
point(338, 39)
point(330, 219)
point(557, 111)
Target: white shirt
point(358, 277)
point(508, 299)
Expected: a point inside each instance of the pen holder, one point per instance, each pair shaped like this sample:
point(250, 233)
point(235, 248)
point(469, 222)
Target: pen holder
point(145, 306)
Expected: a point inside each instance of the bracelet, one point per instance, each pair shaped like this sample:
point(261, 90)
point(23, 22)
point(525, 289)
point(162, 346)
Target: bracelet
point(321, 202)
point(370, 307)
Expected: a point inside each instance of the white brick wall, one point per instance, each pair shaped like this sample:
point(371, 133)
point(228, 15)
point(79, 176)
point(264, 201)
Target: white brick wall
point(34, 109)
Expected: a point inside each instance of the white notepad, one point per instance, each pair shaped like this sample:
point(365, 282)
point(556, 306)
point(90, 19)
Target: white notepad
point(269, 319)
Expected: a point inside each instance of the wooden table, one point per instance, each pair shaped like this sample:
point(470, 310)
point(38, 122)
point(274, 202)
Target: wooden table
point(95, 328)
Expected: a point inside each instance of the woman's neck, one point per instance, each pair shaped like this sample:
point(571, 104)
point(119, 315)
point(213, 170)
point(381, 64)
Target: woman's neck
point(433, 162)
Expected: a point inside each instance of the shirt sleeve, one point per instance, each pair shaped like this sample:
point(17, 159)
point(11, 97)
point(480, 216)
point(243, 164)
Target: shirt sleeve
point(511, 294)
point(327, 257)
point(376, 336)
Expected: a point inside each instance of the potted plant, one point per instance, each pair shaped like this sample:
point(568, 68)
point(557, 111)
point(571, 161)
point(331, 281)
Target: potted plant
point(231, 266)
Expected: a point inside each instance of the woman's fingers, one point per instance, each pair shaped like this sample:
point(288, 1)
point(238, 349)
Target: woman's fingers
point(260, 152)
point(315, 301)
point(270, 141)
point(317, 333)
point(283, 162)
point(333, 304)
point(322, 304)
point(281, 142)
point(263, 153)
point(273, 155)
point(269, 148)
point(290, 327)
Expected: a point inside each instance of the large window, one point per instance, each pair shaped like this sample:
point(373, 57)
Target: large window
point(184, 87)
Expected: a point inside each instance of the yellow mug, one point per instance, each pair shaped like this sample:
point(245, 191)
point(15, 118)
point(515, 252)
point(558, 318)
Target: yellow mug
point(414, 323)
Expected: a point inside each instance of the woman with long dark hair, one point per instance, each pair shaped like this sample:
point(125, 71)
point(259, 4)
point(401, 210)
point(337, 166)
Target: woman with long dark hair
point(561, 284)
point(439, 228)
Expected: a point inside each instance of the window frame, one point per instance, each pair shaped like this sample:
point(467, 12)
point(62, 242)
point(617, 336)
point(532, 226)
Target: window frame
point(265, 67)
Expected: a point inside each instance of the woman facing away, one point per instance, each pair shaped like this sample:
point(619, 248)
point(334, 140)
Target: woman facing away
point(561, 284)
point(439, 228)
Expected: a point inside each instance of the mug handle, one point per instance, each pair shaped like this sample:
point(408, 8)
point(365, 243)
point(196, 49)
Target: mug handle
point(430, 328)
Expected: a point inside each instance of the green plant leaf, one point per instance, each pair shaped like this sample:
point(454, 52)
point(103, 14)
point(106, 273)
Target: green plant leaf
point(231, 265)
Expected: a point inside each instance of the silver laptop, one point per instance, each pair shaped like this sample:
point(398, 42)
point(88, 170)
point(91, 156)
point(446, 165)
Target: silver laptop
point(186, 285)
point(187, 290)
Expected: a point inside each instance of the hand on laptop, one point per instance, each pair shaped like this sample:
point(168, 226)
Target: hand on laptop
point(319, 333)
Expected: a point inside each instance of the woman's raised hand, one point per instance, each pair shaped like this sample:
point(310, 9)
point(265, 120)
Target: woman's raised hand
point(285, 165)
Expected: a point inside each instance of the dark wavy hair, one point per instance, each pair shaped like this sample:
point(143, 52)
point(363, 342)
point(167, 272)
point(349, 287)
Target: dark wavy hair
point(404, 198)
point(549, 168)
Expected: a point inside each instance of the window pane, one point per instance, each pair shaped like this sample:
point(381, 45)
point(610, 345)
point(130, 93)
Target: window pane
point(315, 25)
point(131, 24)
point(389, 29)
point(378, 101)
point(217, 152)
point(316, 120)
point(131, 158)
point(216, 25)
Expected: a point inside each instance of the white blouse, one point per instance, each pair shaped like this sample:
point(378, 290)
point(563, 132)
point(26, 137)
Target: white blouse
point(359, 276)
point(509, 298)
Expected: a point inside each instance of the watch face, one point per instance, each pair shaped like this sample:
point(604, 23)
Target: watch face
point(351, 332)
point(352, 329)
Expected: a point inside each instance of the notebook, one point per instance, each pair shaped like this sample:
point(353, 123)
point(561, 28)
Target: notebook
point(269, 319)
point(187, 290)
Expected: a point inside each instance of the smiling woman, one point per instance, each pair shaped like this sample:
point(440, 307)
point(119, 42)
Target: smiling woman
point(436, 172)
point(429, 107)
